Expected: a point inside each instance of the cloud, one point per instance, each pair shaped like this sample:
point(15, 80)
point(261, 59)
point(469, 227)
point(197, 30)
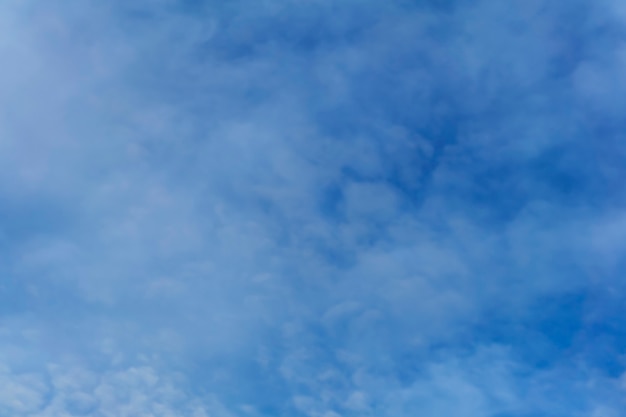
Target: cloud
point(136, 391)
point(309, 208)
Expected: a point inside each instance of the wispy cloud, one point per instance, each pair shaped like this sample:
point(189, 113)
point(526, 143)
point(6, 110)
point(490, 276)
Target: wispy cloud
point(311, 208)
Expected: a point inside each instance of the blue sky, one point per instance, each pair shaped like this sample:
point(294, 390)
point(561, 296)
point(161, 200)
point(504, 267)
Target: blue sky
point(312, 208)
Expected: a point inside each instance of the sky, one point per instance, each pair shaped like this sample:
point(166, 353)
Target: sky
point(312, 208)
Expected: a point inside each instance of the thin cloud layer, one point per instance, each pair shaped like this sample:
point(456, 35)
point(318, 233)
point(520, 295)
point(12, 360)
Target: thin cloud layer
point(310, 208)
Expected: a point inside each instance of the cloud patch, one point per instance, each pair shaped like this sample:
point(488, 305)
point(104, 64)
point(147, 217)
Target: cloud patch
point(311, 209)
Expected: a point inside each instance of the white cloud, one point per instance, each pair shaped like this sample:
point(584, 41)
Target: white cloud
point(68, 390)
point(329, 188)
